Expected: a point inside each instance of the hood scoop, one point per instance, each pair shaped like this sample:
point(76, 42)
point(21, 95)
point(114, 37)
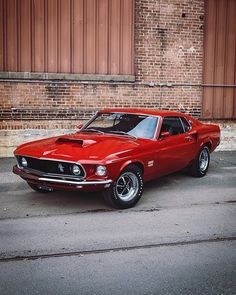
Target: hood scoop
point(81, 142)
point(66, 139)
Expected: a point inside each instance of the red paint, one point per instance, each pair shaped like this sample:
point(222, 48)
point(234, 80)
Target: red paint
point(157, 156)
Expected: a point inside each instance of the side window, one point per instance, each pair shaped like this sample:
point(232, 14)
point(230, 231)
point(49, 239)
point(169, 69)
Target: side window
point(186, 124)
point(173, 125)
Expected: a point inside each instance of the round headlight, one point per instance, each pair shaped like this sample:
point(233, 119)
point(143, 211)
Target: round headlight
point(101, 170)
point(24, 162)
point(76, 169)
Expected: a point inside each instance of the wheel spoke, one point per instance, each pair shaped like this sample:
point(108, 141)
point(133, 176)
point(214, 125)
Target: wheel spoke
point(123, 179)
point(125, 188)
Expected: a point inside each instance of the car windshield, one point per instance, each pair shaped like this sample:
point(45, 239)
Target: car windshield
point(141, 126)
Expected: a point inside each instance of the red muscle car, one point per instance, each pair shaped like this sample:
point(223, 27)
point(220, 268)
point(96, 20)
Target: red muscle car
point(117, 151)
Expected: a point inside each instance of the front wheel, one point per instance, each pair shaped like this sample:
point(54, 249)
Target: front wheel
point(200, 165)
point(127, 190)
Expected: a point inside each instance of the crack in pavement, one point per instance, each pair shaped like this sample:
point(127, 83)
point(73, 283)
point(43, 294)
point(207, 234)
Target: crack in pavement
point(116, 249)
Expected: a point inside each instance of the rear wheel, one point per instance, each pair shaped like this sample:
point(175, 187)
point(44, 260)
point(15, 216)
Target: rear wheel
point(127, 190)
point(200, 165)
point(40, 189)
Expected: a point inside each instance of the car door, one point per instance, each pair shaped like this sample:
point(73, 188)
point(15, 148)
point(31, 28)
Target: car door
point(176, 148)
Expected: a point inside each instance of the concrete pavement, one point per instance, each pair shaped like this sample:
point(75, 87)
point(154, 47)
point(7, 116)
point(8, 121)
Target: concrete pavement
point(180, 239)
point(206, 268)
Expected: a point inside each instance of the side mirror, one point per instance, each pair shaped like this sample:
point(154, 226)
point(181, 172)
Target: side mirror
point(165, 134)
point(80, 126)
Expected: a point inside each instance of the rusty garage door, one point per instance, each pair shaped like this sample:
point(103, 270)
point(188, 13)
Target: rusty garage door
point(67, 36)
point(219, 97)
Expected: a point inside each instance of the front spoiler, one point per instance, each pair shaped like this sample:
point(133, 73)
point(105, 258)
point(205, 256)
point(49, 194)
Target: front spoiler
point(41, 178)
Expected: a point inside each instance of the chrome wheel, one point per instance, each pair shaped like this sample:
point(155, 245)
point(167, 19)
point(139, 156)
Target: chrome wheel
point(127, 190)
point(127, 186)
point(203, 160)
point(200, 164)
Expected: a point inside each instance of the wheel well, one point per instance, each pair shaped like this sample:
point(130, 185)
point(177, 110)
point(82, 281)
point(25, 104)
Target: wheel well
point(138, 164)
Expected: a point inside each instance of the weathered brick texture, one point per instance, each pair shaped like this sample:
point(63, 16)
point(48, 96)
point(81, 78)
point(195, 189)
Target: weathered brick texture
point(169, 41)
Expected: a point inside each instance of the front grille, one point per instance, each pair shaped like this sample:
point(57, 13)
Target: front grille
point(50, 166)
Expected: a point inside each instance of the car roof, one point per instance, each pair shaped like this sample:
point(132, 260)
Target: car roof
point(162, 113)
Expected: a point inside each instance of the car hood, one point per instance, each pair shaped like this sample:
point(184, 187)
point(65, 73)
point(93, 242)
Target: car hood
point(82, 147)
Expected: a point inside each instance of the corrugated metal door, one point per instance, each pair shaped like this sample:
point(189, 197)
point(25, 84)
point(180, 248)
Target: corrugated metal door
point(67, 36)
point(219, 101)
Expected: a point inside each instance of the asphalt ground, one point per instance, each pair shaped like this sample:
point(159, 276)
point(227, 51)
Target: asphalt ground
point(179, 239)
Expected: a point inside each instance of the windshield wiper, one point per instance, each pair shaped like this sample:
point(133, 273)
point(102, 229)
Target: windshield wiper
point(122, 133)
point(92, 130)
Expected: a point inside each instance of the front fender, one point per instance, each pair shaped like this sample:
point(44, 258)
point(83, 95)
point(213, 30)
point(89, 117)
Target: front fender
point(133, 161)
point(116, 170)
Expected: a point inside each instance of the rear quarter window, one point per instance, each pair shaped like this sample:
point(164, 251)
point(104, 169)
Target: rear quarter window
point(186, 124)
point(173, 125)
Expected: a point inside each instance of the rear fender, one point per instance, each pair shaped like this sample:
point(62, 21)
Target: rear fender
point(207, 141)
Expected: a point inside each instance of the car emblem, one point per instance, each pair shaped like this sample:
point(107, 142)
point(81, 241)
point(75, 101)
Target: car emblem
point(48, 152)
point(150, 163)
point(61, 168)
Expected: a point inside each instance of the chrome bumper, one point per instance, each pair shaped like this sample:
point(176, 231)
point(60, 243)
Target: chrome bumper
point(43, 177)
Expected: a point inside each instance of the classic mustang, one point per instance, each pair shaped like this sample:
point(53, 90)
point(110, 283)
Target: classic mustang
point(117, 151)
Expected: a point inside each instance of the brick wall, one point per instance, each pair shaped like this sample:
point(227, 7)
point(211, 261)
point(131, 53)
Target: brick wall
point(169, 40)
point(168, 49)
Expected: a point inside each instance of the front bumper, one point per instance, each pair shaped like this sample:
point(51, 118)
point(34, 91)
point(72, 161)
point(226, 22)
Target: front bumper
point(59, 181)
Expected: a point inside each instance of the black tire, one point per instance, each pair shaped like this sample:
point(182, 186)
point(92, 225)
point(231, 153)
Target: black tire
point(127, 190)
point(39, 189)
point(200, 165)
